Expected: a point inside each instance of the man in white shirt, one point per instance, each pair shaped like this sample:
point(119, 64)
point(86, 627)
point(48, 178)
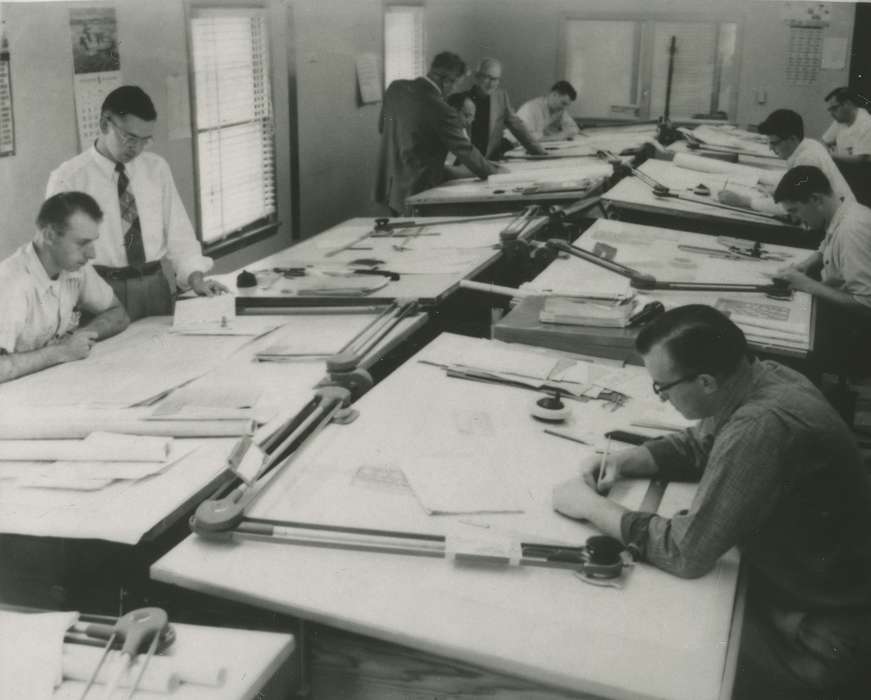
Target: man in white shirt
point(145, 220)
point(785, 131)
point(849, 136)
point(547, 117)
point(47, 283)
point(838, 273)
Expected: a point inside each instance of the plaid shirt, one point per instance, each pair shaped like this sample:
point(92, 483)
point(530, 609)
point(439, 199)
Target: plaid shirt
point(780, 476)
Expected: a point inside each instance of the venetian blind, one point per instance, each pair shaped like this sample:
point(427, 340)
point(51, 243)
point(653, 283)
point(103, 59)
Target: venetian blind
point(404, 55)
point(233, 120)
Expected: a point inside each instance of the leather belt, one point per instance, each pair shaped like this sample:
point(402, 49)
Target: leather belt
point(129, 272)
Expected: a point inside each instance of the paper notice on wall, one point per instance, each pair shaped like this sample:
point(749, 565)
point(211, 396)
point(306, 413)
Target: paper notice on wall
point(96, 66)
point(834, 53)
point(367, 78)
point(7, 127)
point(804, 55)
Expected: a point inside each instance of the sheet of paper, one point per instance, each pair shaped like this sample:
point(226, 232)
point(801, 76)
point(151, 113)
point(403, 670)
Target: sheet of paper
point(497, 357)
point(198, 312)
point(96, 447)
point(450, 483)
point(164, 360)
point(368, 79)
point(31, 653)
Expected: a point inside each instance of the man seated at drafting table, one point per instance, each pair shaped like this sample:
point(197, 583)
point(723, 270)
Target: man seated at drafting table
point(839, 272)
point(785, 131)
point(47, 283)
point(780, 476)
point(547, 118)
point(848, 138)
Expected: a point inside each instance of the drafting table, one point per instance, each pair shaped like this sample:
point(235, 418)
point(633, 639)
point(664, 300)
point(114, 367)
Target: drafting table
point(256, 663)
point(784, 329)
point(727, 140)
point(659, 637)
point(763, 162)
point(505, 192)
point(633, 200)
point(130, 514)
point(430, 264)
point(627, 138)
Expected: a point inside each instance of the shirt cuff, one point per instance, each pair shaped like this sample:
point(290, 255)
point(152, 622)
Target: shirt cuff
point(633, 531)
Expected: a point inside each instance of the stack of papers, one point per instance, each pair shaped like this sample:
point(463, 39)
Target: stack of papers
point(89, 464)
point(580, 312)
point(217, 316)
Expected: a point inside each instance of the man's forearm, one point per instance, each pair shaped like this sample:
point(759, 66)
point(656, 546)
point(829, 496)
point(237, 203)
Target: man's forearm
point(18, 364)
point(837, 296)
point(111, 322)
point(811, 264)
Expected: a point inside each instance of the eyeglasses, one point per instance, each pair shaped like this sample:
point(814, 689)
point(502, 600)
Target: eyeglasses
point(490, 78)
point(658, 388)
point(130, 139)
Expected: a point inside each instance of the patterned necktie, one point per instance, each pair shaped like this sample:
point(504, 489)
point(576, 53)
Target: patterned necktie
point(130, 228)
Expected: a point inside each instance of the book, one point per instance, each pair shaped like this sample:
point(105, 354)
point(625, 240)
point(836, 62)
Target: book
point(583, 312)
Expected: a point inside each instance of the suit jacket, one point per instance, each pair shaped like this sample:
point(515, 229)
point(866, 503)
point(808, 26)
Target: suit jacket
point(418, 128)
point(502, 117)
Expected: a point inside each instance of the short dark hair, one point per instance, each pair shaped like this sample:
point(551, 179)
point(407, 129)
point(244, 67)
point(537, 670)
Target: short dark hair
point(783, 123)
point(56, 211)
point(447, 63)
point(130, 99)
point(800, 182)
point(564, 87)
point(457, 99)
point(699, 339)
point(846, 94)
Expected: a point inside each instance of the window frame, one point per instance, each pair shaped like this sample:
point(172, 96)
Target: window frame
point(644, 51)
point(263, 227)
point(419, 5)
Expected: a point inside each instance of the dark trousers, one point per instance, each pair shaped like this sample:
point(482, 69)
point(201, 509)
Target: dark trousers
point(146, 295)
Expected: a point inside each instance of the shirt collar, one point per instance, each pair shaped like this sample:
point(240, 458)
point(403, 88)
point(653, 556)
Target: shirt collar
point(742, 384)
point(840, 213)
point(106, 165)
point(35, 267)
point(801, 144)
point(430, 81)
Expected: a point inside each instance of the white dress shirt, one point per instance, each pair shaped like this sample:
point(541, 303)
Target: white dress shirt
point(542, 124)
point(38, 309)
point(846, 252)
point(851, 139)
point(166, 228)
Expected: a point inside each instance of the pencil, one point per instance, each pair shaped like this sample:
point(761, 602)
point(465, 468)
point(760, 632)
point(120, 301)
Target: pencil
point(602, 465)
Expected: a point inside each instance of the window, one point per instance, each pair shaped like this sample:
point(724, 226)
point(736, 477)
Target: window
point(620, 68)
point(232, 113)
point(404, 54)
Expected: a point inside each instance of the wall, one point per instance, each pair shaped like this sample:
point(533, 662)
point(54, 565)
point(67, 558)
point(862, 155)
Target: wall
point(502, 27)
point(153, 45)
point(314, 45)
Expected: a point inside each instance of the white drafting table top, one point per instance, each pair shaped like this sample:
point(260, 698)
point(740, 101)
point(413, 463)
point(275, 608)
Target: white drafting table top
point(632, 193)
point(660, 637)
point(595, 138)
point(125, 511)
point(431, 265)
point(522, 174)
point(250, 658)
point(768, 323)
point(754, 159)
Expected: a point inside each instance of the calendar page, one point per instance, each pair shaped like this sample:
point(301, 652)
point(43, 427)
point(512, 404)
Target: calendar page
point(96, 64)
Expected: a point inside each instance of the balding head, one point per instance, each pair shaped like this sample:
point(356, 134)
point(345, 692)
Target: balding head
point(488, 75)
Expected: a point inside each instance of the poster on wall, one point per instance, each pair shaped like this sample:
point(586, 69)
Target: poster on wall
point(7, 124)
point(96, 66)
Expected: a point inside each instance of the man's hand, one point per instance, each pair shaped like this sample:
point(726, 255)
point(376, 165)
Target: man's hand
point(590, 467)
point(794, 277)
point(204, 287)
point(495, 168)
point(733, 199)
point(537, 150)
point(76, 345)
point(575, 498)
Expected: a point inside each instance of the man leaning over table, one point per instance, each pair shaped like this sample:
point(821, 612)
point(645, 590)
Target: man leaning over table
point(145, 220)
point(547, 118)
point(47, 283)
point(781, 477)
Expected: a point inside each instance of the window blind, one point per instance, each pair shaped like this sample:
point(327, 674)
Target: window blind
point(404, 53)
point(233, 119)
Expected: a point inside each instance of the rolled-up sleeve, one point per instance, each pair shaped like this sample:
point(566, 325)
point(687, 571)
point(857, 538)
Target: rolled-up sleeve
point(740, 483)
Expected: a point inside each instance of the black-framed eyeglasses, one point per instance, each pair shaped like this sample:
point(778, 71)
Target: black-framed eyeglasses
point(658, 388)
point(128, 138)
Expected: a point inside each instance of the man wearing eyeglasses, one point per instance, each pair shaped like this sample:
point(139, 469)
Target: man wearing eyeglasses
point(780, 476)
point(493, 114)
point(145, 221)
point(849, 135)
point(785, 131)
